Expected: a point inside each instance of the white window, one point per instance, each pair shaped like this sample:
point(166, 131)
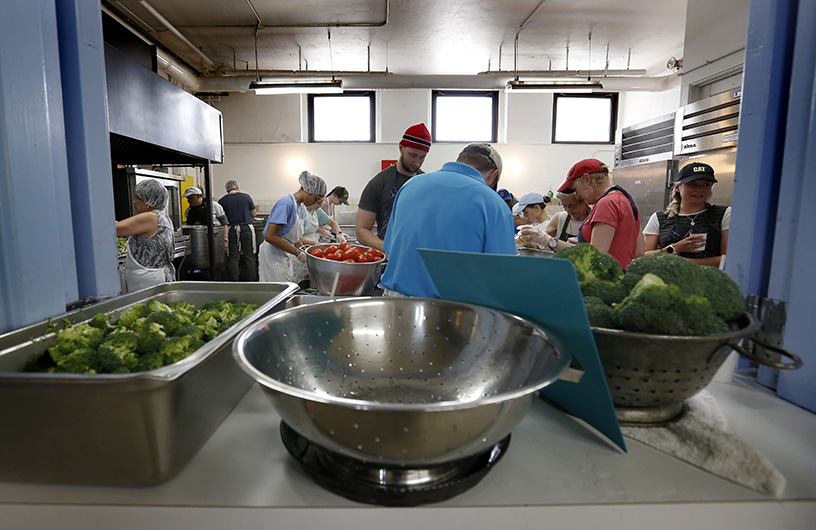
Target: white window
point(584, 118)
point(464, 116)
point(347, 117)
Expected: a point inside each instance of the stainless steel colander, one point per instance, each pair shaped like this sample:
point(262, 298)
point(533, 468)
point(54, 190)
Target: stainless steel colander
point(405, 381)
point(650, 376)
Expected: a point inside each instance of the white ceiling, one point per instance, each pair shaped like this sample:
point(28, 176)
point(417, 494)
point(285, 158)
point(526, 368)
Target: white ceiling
point(408, 39)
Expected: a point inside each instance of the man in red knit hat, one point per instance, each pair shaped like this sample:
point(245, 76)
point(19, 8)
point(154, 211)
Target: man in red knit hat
point(378, 196)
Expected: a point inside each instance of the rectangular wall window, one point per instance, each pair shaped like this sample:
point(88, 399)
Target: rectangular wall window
point(465, 116)
point(346, 117)
point(584, 118)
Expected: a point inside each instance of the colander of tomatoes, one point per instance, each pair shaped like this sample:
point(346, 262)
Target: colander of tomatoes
point(356, 268)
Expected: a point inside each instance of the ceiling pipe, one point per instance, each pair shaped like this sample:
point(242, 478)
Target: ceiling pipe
point(521, 27)
point(175, 32)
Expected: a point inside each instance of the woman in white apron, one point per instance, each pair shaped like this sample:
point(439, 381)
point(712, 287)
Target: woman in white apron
point(151, 242)
point(279, 258)
point(314, 220)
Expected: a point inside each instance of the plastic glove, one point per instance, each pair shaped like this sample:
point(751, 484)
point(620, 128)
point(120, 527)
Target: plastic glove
point(301, 256)
point(532, 236)
point(341, 238)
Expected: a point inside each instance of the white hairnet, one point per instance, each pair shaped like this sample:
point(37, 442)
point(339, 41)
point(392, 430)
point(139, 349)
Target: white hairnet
point(311, 183)
point(153, 193)
point(231, 185)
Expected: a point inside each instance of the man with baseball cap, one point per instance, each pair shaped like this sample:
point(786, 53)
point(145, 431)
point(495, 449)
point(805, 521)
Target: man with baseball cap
point(377, 198)
point(196, 213)
point(455, 208)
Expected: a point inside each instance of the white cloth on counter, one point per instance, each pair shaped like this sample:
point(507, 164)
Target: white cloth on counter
point(699, 438)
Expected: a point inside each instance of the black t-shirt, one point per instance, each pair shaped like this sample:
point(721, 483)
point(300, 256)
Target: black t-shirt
point(378, 195)
point(197, 215)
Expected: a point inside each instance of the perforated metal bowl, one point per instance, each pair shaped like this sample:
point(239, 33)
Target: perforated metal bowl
point(353, 279)
point(405, 381)
point(650, 376)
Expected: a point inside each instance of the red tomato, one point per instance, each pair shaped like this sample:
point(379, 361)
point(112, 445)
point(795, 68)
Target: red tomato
point(343, 246)
point(376, 252)
point(331, 255)
point(318, 253)
point(363, 258)
point(351, 253)
point(330, 249)
point(350, 260)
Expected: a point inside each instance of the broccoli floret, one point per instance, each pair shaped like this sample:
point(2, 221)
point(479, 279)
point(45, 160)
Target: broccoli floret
point(598, 312)
point(155, 305)
point(151, 361)
point(610, 292)
point(73, 338)
point(209, 322)
point(80, 361)
point(175, 349)
point(196, 335)
point(591, 264)
point(151, 336)
point(672, 269)
point(166, 319)
point(100, 321)
point(130, 315)
point(723, 293)
point(183, 308)
point(117, 354)
point(653, 306)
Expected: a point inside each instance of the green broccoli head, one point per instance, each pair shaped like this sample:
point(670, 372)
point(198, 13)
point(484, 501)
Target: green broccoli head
point(151, 336)
point(175, 349)
point(73, 338)
point(131, 315)
point(591, 264)
point(183, 308)
point(723, 293)
point(653, 306)
point(79, 361)
point(610, 292)
point(671, 268)
point(151, 361)
point(155, 305)
point(598, 312)
point(100, 320)
point(196, 335)
point(117, 354)
point(168, 320)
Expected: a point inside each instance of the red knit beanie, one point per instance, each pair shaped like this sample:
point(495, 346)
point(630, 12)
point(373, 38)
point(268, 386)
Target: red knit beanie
point(418, 137)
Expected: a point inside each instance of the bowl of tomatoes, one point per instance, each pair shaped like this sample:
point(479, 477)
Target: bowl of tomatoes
point(355, 268)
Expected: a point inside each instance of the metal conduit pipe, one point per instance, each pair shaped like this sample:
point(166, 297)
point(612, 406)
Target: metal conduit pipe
point(175, 32)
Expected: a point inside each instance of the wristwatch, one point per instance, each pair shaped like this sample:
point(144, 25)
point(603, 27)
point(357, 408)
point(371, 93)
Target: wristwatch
point(552, 243)
point(670, 249)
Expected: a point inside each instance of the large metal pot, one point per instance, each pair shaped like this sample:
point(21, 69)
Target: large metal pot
point(199, 257)
point(399, 381)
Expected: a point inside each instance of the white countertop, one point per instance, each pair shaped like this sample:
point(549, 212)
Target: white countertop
point(555, 471)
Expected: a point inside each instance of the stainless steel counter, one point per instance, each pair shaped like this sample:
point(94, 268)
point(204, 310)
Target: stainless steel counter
point(555, 471)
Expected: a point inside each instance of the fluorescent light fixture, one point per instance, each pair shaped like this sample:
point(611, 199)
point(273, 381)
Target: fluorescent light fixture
point(578, 86)
point(263, 88)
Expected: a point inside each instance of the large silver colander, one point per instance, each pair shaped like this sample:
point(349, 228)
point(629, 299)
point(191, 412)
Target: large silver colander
point(650, 376)
point(405, 381)
point(352, 279)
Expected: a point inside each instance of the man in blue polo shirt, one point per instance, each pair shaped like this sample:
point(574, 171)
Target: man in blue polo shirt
point(455, 208)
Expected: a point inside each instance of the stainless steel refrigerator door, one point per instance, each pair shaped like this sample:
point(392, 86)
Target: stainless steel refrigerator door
point(648, 185)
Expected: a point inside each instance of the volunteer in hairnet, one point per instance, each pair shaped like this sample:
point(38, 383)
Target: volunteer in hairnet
point(151, 242)
point(279, 258)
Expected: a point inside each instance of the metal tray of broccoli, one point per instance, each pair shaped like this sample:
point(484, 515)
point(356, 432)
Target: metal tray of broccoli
point(141, 425)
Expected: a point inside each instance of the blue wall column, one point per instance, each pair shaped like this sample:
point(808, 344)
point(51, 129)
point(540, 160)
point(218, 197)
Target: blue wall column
point(37, 262)
point(84, 95)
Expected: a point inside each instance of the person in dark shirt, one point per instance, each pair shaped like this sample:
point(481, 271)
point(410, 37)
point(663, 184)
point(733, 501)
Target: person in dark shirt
point(200, 206)
point(378, 196)
point(242, 259)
